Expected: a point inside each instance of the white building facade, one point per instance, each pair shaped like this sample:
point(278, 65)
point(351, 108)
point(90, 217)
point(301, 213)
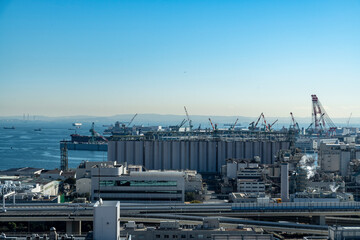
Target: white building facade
point(155, 186)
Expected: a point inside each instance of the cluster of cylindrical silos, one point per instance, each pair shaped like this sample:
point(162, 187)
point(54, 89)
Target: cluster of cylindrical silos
point(205, 156)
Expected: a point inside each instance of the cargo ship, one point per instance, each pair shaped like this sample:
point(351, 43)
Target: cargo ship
point(95, 142)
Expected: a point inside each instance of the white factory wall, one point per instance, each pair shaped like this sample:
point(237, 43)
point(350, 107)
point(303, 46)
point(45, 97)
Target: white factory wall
point(203, 156)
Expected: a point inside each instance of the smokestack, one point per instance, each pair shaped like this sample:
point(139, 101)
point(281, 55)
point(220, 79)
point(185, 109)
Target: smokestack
point(284, 182)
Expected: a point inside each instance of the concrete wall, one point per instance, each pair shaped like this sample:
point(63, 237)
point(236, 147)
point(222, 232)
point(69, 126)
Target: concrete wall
point(201, 155)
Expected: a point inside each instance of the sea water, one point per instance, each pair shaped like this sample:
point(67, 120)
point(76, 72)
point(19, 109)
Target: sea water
point(25, 147)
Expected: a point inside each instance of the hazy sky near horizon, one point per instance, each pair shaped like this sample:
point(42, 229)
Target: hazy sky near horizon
point(61, 58)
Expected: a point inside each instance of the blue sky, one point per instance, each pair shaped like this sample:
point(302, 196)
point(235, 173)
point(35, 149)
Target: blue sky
point(60, 58)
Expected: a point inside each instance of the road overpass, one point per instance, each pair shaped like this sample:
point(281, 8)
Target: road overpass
point(74, 214)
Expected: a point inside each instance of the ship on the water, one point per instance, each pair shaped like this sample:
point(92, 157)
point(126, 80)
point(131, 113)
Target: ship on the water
point(124, 129)
point(95, 142)
point(120, 128)
point(9, 127)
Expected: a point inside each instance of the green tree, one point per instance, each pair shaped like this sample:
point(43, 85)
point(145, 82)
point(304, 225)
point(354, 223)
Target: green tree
point(71, 181)
point(11, 226)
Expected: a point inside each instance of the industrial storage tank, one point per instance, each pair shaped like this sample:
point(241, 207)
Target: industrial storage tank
point(203, 155)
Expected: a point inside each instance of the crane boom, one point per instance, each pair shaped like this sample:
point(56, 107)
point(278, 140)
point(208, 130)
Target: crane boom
point(321, 119)
point(265, 123)
point(233, 127)
point(132, 119)
point(319, 115)
point(348, 121)
point(188, 118)
point(293, 119)
point(258, 120)
point(182, 123)
point(294, 124)
point(309, 126)
point(212, 125)
point(273, 123)
point(95, 134)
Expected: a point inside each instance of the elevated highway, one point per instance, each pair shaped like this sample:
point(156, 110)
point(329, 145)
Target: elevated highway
point(74, 214)
point(226, 209)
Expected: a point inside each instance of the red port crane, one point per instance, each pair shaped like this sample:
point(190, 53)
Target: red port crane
point(320, 117)
point(233, 127)
point(212, 125)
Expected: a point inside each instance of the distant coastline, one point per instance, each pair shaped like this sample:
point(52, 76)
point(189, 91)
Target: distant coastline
point(169, 119)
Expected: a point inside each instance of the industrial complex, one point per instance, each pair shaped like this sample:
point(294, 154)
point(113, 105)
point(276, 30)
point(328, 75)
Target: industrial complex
point(181, 182)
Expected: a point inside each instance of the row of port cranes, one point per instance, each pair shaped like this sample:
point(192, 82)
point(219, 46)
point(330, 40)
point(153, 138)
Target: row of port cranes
point(185, 131)
point(321, 125)
point(321, 122)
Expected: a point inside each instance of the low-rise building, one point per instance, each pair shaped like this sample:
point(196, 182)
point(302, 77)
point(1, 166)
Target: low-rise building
point(52, 174)
point(25, 171)
point(250, 186)
point(84, 168)
point(243, 175)
point(116, 183)
point(57, 174)
point(29, 190)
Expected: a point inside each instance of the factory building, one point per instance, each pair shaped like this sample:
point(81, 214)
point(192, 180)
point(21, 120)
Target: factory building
point(133, 184)
point(336, 157)
point(244, 175)
point(250, 186)
point(202, 155)
point(306, 144)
